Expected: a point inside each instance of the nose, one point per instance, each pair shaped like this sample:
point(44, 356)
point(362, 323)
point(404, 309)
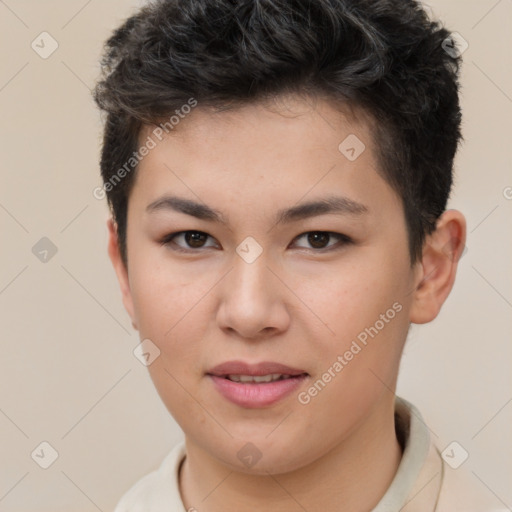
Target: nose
point(252, 301)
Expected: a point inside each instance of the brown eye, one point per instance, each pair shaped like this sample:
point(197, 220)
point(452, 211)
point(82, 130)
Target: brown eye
point(195, 238)
point(190, 240)
point(319, 240)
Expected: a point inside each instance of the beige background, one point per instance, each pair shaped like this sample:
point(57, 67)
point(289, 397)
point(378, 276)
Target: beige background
point(68, 375)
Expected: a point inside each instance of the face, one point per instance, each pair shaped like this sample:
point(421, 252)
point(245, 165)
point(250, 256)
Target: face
point(250, 278)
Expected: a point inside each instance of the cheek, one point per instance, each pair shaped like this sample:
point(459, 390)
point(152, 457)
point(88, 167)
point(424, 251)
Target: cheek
point(160, 295)
point(170, 380)
point(348, 297)
point(172, 311)
point(363, 308)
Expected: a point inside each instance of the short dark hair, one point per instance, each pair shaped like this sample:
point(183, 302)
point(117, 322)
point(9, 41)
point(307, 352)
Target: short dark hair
point(385, 57)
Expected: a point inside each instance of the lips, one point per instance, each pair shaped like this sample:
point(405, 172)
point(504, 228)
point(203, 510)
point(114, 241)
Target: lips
point(258, 369)
point(255, 385)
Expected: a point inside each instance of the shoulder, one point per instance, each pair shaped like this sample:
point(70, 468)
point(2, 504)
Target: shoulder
point(425, 480)
point(157, 491)
point(463, 492)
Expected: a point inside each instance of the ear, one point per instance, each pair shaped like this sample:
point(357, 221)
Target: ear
point(120, 269)
point(441, 254)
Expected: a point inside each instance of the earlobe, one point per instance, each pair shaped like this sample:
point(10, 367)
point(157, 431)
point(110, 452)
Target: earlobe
point(120, 269)
point(441, 254)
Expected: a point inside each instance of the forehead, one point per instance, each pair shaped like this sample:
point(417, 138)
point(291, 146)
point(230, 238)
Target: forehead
point(289, 127)
point(269, 155)
point(308, 117)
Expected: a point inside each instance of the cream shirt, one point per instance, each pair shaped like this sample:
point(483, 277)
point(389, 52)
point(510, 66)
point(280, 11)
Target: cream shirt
point(424, 482)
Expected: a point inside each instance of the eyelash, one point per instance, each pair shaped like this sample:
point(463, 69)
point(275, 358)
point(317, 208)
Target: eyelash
point(342, 241)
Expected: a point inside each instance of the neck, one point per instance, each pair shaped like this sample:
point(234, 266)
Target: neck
point(354, 475)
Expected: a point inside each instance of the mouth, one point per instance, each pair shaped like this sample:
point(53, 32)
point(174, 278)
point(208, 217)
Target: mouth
point(272, 377)
point(255, 385)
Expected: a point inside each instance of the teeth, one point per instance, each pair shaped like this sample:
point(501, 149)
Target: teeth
point(258, 378)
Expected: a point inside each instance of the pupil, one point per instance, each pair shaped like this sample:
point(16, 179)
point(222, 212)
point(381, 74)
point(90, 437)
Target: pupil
point(318, 236)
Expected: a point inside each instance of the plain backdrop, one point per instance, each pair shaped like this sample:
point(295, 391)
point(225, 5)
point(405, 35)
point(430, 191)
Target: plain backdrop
point(68, 376)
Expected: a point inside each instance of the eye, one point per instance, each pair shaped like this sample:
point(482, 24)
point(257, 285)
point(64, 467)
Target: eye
point(319, 239)
point(192, 239)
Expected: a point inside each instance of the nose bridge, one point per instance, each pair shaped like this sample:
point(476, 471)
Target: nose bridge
point(250, 302)
point(250, 278)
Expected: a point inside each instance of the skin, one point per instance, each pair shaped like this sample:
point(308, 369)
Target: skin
point(295, 304)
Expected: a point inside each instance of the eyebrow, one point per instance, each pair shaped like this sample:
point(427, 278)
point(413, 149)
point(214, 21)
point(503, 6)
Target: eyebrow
point(332, 204)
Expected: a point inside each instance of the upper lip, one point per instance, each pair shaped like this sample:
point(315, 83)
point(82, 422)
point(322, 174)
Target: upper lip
point(254, 369)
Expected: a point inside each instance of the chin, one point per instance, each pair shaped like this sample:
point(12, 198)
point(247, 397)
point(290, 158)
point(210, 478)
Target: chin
point(262, 457)
point(265, 467)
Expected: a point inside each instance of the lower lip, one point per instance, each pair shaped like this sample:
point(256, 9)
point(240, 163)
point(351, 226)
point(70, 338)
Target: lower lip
point(254, 395)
